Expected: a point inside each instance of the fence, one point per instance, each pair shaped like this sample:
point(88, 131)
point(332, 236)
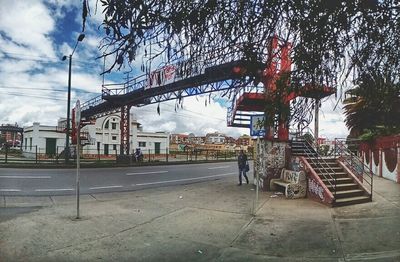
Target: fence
point(37, 155)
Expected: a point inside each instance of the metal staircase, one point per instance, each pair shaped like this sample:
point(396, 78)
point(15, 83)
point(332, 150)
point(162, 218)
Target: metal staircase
point(344, 187)
point(246, 102)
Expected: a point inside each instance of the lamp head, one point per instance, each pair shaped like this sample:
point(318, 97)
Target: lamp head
point(64, 57)
point(81, 37)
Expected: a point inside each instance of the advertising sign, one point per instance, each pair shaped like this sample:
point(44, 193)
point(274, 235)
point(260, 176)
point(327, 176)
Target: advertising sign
point(162, 76)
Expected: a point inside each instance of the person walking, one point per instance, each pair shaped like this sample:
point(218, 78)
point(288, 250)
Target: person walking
point(242, 163)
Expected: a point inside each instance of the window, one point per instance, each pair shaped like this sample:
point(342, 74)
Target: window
point(114, 147)
point(26, 143)
point(106, 124)
point(114, 137)
point(30, 143)
point(114, 126)
point(142, 144)
point(98, 146)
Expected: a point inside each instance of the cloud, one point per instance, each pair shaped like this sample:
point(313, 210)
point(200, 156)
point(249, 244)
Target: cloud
point(35, 34)
point(195, 118)
point(28, 24)
point(331, 120)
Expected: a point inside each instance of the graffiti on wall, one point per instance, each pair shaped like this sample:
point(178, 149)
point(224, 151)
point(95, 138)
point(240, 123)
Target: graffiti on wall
point(297, 186)
point(316, 189)
point(295, 191)
point(275, 154)
point(384, 152)
point(296, 164)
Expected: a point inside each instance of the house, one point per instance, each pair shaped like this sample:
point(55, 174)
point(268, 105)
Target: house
point(215, 138)
point(179, 139)
point(43, 139)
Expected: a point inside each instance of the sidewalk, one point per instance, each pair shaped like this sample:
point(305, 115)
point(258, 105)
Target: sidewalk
point(209, 221)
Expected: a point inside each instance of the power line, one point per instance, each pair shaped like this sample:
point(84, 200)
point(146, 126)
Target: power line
point(42, 89)
point(49, 60)
point(34, 96)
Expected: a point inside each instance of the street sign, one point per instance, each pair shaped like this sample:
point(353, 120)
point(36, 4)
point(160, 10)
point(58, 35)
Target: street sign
point(257, 125)
point(77, 113)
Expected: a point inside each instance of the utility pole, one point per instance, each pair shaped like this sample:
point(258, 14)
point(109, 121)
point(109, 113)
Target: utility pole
point(67, 151)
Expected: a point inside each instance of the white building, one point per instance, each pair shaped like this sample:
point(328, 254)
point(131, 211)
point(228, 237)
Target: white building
point(155, 143)
point(104, 137)
point(42, 139)
point(215, 138)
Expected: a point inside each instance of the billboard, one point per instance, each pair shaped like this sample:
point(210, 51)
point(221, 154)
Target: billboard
point(162, 76)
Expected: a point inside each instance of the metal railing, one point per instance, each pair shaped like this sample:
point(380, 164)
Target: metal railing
point(353, 162)
point(316, 159)
point(184, 67)
point(89, 155)
point(231, 112)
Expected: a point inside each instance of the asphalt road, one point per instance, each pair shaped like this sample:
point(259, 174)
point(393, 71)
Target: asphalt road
point(49, 182)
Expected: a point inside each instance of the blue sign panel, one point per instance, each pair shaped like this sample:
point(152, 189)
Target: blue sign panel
point(257, 125)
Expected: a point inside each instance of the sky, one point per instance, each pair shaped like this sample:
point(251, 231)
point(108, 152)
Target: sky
point(36, 34)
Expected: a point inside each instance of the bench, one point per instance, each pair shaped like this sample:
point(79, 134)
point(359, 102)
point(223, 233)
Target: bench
point(294, 182)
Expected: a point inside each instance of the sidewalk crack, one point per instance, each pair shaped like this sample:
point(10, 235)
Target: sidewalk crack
point(241, 231)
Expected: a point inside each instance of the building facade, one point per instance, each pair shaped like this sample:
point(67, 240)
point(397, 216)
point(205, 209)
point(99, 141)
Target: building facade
point(43, 139)
point(215, 138)
point(103, 137)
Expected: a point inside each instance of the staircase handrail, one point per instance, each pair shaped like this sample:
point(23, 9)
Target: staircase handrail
point(353, 161)
point(319, 161)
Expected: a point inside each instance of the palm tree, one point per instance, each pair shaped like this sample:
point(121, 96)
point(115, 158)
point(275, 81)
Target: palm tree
point(373, 106)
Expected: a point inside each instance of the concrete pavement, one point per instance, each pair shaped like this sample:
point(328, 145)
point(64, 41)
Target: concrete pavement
point(207, 221)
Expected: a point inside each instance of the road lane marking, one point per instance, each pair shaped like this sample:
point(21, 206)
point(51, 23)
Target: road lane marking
point(10, 190)
point(179, 180)
point(27, 177)
point(54, 189)
point(104, 187)
point(144, 173)
point(218, 167)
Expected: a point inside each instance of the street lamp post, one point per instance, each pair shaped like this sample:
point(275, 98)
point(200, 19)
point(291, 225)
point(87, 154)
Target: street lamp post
point(67, 151)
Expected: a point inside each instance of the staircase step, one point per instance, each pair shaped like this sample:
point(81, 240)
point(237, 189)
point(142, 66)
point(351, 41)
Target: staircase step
point(352, 200)
point(343, 187)
point(332, 175)
point(349, 193)
point(326, 165)
point(339, 180)
point(326, 159)
point(303, 154)
point(334, 168)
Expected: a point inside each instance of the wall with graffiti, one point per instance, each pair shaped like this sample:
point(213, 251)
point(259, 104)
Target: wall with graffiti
point(271, 158)
point(383, 157)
